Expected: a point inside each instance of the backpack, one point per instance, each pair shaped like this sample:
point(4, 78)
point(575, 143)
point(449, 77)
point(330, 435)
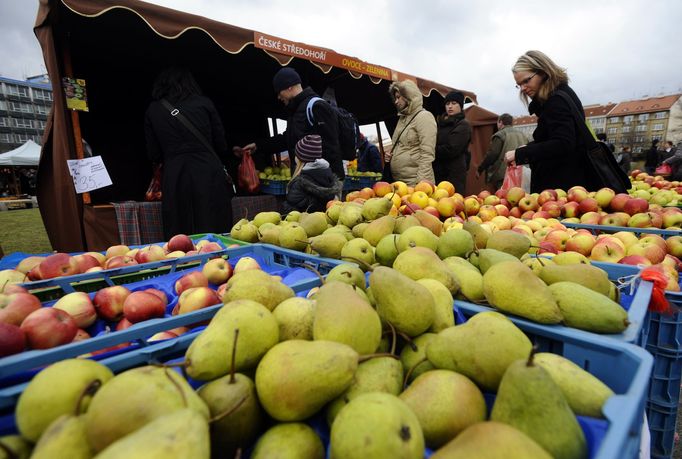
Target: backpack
point(349, 130)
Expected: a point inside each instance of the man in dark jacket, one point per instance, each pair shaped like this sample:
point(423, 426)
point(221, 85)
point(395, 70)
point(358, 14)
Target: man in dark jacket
point(652, 158)
point(369, 158)
point(287, 85)
point(506, 138)
point(624, 159)
point(452, 144)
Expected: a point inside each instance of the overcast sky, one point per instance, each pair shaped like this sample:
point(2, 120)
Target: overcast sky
point(613, 49)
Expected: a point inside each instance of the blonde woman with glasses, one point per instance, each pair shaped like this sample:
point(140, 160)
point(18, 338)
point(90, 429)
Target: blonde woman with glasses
point(557, 154)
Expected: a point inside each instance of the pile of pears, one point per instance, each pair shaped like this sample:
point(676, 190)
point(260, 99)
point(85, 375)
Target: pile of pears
point(381, 366)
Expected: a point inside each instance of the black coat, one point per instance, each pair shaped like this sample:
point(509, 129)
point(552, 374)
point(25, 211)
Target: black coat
point(557, 155)
point(196, 194)
point(652, 157)
point(326, 126)
point(452, 146)
point(369, 158)
point(311, 190)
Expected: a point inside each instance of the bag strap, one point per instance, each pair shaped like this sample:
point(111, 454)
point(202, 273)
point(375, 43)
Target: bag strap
point(309, 109)
point(188, 124)
point(397, 140)
point(582, 124)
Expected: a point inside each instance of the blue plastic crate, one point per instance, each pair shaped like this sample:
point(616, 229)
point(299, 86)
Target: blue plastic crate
point(276, 187)
point(665, 332)
point(664, 389)
point(598, 229)
point(662, 423)
point(275, 255)
point(358, 182)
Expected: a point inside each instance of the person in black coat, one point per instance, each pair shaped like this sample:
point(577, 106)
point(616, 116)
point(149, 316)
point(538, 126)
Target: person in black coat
point(369, 158)
point(287, 85)
point(558, 153)
point(196, 189)
point(313, 183)
point(652, 158)
point(452, 144)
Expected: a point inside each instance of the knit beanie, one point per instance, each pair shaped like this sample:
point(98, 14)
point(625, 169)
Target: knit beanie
point(455, 96)
point(285, 78)
point(309, 148)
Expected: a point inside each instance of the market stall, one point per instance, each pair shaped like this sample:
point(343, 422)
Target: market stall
point(119, 48)
point(483, 125)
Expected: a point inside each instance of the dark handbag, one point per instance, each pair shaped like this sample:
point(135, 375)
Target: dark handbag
point(188, 124)
point(604, 166)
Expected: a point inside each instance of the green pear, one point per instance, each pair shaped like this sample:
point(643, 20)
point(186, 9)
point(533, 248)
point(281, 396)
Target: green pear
point(479, 234)
point(359, 229)
point(208, 355)
point(481, 349)
point(404, 222)
point(511, 286)
point(328, 245)
point(396, 301)
point(56, 391)
point(375, 208)
point(266, 217)
point(378, 229)
point(570, 258)
point(349, 274)
point(233, 397)
point(536, 264)
point(445, 403)
point(66, 438)
point(468, 277)
point(341, 315)
point(379, 374)
point(455, 243)
point(358, 249)
point(586, 309)
point(340, 229)
point(417, 236)
point(293, 237)
point(350, 215)
point(289, 440)
point(334, 211)
point(491, 440)
point(183, 433)
point(14, 447)
point(443, 314)
point(295, 318)
point(429, 221)
point(376, 425)
point(414, 358)
point(530, 401)
point(135, 398)
point(387, 250)
point(258, 286)
point(314, 224)
point(420, 262)
point(296, 378)
point(586, 395)
point(510, 242)
point(489, 257)
point(244, 231)
point(293, 216)
point(586, 275)
point(269, 234)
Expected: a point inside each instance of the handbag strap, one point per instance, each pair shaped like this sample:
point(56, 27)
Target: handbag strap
point(397, 141)
point(580, 120)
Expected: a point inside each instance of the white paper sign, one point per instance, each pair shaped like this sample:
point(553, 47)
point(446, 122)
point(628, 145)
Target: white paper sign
point(88, 174)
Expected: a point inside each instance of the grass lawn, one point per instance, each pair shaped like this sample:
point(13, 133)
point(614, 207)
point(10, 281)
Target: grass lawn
point(23, 231)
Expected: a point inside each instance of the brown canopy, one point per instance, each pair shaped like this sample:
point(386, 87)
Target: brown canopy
point(484, 125)
point(118, 48)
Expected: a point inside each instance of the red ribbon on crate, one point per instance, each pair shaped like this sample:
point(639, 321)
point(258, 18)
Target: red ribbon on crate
point(658, 302)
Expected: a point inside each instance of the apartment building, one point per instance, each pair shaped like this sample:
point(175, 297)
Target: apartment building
point(24, 106)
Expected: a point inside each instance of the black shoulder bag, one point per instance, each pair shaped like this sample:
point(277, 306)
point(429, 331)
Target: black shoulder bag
point(604, 166)
point(188, 124)
point(387, 175)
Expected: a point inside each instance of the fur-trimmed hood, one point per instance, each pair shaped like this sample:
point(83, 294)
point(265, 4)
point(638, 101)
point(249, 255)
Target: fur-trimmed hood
point(409, 90)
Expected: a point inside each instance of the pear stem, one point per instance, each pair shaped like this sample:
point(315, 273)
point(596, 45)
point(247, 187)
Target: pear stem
point(362, 263)
point(234, 356)
point(411, 370)
point(533, 351)
point(177, 386)
point(409, 340)
point(90, 389)
point(8, 452)
point(394, 337)
point(229, 411)
point(364, 358)
point(310, 268)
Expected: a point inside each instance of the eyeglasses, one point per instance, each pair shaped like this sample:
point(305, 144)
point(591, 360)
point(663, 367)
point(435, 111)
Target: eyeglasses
point(525, 81)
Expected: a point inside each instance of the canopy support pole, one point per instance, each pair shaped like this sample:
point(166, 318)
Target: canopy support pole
point(381, 141)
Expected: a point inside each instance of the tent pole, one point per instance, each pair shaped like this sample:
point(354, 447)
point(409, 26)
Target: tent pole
point(381, 141)
point(75, 120)
point(278, 156)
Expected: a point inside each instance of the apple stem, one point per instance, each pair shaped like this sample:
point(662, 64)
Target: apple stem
point(229, 411)
point(364, 358)
point(533, 351)
point(411, 370)
point(234, 356)
point(177, 386)
point(89, 390)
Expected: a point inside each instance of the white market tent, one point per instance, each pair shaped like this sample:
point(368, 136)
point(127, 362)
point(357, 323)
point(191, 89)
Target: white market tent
point(26, 155)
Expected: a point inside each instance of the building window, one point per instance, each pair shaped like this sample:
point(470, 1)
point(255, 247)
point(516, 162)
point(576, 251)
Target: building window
point(15, 90)
point(657, 127)
point(22, 123)
point(613, 131)
point(641, 128)
point(639, 138)
point(5, 138)
point(626, 129)
point(42, 110)
point(598, 130)
point(39, 124)
point(643, 117)
point(656, 137)
point(19, 107)
point(4, 122)
point(22, 138)
point(660, 115)
point(3, 105)
point(615, 119)
point(42, 94)
point(628, 119)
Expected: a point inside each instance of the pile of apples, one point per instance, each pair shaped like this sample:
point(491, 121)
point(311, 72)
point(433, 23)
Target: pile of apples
point(26, 324)
point(655, 189)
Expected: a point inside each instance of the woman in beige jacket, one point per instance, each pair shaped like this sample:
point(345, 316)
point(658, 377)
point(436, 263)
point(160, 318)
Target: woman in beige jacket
point(414, 138)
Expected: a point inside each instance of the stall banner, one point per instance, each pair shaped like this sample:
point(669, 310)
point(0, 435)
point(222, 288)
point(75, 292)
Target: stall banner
point(76, 96)
point(323, 55)
point(88, 174)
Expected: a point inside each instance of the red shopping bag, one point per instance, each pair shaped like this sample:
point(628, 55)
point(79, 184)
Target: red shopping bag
point(512, 177)
point(247, 174)
point(154, 190)
point(663, 169)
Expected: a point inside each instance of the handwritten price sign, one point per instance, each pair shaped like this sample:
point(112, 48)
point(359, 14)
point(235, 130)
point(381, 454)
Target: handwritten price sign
point(88, 174)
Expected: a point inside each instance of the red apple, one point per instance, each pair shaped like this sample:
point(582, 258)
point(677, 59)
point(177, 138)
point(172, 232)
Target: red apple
point(471, 206)
point(636, 206)
point(79, 306)
point(381, 189)
point(641, 220)
point(160, 336)
point(221, 291)
point(28, 264)
point(245, 264)
point(487, 212)
point(604, 197)
point(570, 209)
point(12, 339)
point(614, 219)
point(577, 193)
point(590, 218)
point(15, 307)
point(49, 327)
point(516, 212)
point(57, 265)
point(196, 298)
point(502, 210)
point(635, 260)
point(210, 247)
point(119, 261)
point(217, 271)
point(81, 335)
point(651, 251)
point(85, 262)
point(14, 288)
point(123, 324)
point(581, 243)
point(618, 202)
point(607, 250)
point(117, 250)
point(109, 302)
point(180, 242)
point(553, 208)
point(558, 238)
point(193, 279)
point(150, 253)
point(673, 244)
point(588, 205)
point(547, 196)
point(515, 195)
point(140, 306)
point(529, 202)
point(158, 293)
